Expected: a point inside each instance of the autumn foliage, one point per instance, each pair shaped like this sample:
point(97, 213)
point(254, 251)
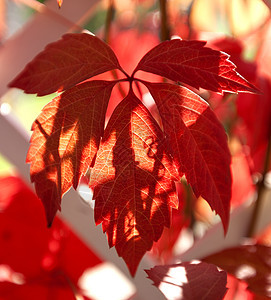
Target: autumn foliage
point(135, 161)
point(167, 123)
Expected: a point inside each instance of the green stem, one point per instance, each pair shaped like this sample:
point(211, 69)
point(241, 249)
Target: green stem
point(260, 192)
point(165, 30)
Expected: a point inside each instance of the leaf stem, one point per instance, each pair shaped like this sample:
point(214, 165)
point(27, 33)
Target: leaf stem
point(165, 29)
point(260, 191)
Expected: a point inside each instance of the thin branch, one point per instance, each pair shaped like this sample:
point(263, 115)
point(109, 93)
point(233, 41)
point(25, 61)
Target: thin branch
point(109, 19)
point(260, 192)
point(165, 29)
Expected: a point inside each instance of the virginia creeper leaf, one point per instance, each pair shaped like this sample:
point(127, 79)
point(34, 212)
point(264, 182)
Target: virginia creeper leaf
point(189, 281)
point(133, 174)
point(132, 181)
point(65, 140)
point(192, 63)
point(198, 144)
point(64, 63)
point(250, 263)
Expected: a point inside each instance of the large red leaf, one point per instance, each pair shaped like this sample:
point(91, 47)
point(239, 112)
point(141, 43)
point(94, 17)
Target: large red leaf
point(250, 263)
point(198, 144)
point(132, 181)
point(65, 140)
point(189, 281)
point(192, 63)
point(64, 63)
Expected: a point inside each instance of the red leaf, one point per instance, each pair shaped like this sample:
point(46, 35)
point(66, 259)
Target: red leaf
point(189, 281)
point(198, 144)
point(65, 140)
point(238, 290)
point(242, 182)
point(64, 63)
point(192, 63)
point(250, 263)
point(255, 111)
point(37, 263)
point(132, 181)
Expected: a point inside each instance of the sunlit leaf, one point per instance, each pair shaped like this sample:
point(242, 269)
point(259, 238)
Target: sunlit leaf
point(198, 144)
point(192, 63)
point(132, 181)
point(66, 137)
point(64, 63)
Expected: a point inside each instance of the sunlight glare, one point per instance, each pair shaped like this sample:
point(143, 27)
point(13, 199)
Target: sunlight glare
point(94, 280)
point(5, 109)
point(171, 286)
point(245, 271)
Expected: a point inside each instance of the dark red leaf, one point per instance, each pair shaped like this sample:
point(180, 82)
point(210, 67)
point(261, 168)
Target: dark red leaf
point(132, 181)
point(250, 263)
point(189, 281)
point(65, 140)
point(198, 144)
point(192, 63)
point(64, 63)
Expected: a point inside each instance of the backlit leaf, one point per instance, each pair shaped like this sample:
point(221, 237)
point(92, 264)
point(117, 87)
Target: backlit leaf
point(189, 281)
point(65, 140)
point(132, 181)
point(198, 144)
point(64, 63)
point(192, 63)
point(137, 163)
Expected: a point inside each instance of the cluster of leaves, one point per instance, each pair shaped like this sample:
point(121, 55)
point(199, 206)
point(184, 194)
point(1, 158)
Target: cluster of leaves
point(134, 162)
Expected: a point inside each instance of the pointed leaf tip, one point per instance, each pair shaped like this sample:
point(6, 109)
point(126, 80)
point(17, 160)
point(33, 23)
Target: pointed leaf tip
point(192, 63)
point(198, 144)
point(133, 182)
point(65, 63)
point(64, 142)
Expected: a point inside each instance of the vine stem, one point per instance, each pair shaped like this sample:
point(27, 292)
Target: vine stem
point(107, 29)
point(260, 192)
point(108, 20)
point(165, 29)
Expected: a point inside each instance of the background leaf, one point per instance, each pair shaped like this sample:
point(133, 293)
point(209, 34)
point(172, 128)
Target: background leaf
point(189, 281)
point(250, 263)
